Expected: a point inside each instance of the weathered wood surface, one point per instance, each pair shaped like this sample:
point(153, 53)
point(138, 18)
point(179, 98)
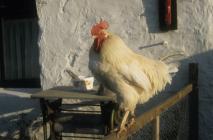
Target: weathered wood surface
point(148, 116)
point(57, 93)
point(156, 128)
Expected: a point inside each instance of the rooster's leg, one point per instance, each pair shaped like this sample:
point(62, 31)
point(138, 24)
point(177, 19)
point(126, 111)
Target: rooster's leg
point(123, 123)
point(131, 121)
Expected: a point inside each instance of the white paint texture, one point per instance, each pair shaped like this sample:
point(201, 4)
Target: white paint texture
point(65, 40)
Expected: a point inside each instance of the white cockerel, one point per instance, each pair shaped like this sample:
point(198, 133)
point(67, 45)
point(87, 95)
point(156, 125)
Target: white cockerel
point(132, 77)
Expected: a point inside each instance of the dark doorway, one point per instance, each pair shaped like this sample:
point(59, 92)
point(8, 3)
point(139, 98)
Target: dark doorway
point(19, 55)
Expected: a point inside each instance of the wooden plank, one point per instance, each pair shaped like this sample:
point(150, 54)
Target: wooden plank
point(44, 115)
point(193, 103)
point(53, 94)
point(148, 116)
point(156, 128)
point(2, 65)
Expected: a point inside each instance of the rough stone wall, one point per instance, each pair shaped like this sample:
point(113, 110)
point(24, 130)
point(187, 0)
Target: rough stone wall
point(65, 40)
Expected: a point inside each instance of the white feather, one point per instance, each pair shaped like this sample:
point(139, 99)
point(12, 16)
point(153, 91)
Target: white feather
point(134, 74)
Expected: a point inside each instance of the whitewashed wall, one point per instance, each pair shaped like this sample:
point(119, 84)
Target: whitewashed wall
point(65, 40)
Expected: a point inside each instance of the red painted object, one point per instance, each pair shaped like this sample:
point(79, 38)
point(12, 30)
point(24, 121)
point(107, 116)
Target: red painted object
point(168, 16)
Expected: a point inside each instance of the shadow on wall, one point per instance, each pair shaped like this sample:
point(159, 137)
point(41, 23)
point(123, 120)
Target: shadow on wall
point(151, 15)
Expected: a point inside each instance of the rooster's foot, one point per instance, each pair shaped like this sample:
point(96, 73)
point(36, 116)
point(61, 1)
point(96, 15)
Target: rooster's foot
point(131, 122)
point(121, 129)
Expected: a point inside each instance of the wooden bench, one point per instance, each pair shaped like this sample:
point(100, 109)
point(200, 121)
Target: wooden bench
point(64, 118)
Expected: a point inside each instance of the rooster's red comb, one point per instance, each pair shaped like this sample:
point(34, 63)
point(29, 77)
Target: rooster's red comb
point(99, 26)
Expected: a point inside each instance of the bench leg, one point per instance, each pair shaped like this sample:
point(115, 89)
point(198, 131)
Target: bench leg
point(44, 114)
